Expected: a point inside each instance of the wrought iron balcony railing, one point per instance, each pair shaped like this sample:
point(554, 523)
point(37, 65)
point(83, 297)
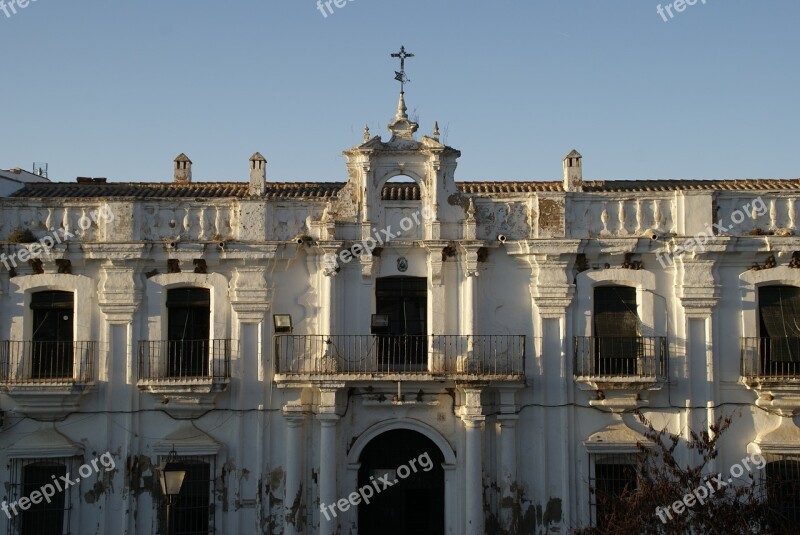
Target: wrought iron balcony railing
point(53, 363)
point(181, 360)
point(772, 359)
point(601, 357)
point(463, 355)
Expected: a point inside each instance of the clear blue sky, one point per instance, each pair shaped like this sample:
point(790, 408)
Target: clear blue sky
point(118, 89)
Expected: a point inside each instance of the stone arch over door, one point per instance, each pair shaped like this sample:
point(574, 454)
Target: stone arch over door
point(451, 487)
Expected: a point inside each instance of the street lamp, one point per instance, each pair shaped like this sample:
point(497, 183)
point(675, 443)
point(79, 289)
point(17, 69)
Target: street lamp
point(171, 474)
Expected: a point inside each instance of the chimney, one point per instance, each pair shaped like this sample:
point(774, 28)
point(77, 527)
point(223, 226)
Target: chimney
point(258, 174)
point(573, 172)
point(183, 169)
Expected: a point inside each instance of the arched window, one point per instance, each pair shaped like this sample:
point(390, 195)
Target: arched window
point(401, 188)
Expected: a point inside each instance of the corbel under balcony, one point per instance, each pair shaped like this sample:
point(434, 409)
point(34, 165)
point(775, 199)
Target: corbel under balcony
point(47, 400)
point(620, 395)
point(188, 399)
point(47, 379)
point(771, 369)
point(621, 371)
point(187, 375)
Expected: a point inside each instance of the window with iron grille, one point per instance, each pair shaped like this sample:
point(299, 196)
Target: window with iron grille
point(779, 311)
point(29, 475)
point(783, 488)
point(610, 476)
point(193, 511)
point(618, 342)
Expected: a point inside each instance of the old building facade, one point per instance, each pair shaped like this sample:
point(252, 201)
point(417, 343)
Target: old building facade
point(294, 342)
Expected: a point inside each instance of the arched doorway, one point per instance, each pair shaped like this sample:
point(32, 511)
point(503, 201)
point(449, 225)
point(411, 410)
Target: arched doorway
point(415, 503)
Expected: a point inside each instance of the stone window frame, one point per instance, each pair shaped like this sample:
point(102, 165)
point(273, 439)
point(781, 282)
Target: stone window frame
point(83, 288)
point(155, 309)
point(750, 282)
point(16, 472)
point(586, 282)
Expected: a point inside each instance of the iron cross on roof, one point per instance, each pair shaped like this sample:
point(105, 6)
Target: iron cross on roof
point(401, 75)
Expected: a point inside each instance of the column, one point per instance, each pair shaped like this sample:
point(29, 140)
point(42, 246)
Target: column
point(293, 494)
point(469, 309)
point(251, 301)
point(119, 300)
point(508, 470)
point(474, 477)
point(437, 308)
point(472, 415)
point(327, 471)
point(507, 420)
point(699, 292)
point(552, 291)
point(327, 304)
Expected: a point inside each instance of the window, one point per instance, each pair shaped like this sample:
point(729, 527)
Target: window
point(51, 353)
point(618, 344)
point(783, 489)
point(404, 300)
point(779, 310)
point(188, 325)
point(29, 475)
point(611, 476)
point(193, 512)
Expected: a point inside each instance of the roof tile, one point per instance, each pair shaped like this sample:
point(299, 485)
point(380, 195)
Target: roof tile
point(395, 192)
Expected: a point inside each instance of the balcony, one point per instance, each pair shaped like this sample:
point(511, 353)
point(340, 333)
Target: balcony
point(394, 358)
point(620, 368)
point(771, 367)
point(188, 374)
point(47, 377)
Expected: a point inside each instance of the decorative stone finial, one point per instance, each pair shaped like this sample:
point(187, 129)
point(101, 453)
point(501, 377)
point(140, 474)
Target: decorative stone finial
point(366, 133)
point(400, 125)
point(436, 131)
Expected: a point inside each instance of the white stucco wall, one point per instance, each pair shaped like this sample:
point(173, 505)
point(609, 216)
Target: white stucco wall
point(531, 285)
